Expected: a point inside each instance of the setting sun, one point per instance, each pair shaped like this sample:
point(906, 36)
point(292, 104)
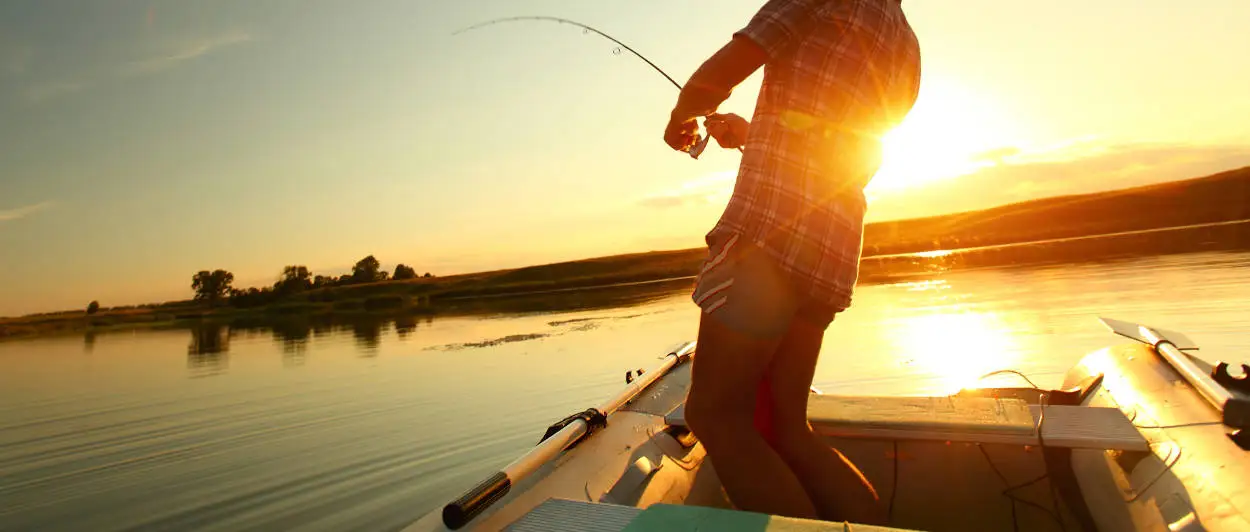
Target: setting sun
point(950, 125)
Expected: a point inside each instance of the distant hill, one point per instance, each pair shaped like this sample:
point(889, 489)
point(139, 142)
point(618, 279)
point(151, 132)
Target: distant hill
point(1216, 198)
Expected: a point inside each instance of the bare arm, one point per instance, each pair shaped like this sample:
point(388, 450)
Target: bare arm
point(711, 85)
point(715, 80)
point(767, 35)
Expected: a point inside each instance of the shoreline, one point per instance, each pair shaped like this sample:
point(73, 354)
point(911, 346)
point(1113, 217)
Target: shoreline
point(526, 289)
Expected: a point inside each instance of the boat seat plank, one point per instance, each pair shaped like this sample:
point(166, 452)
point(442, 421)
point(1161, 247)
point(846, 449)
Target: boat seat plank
point(967, 419)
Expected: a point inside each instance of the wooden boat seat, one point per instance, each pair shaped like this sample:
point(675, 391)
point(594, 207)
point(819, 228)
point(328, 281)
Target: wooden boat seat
point(967, 419)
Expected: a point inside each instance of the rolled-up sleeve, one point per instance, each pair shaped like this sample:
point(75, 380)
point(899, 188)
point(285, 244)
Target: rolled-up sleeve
point(778, 24)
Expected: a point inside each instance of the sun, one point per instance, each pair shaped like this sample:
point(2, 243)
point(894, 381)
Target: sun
point(941, 137)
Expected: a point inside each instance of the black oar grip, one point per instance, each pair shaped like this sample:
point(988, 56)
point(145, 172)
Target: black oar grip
point(473, 502)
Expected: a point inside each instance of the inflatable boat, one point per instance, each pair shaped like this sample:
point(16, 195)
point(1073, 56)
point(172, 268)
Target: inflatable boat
point(1142, 436)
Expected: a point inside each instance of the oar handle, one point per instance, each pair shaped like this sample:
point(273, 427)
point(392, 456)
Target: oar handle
point(459, 512)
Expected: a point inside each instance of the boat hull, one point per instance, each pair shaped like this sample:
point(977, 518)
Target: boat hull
point(1189, 477)
point(1195, 478)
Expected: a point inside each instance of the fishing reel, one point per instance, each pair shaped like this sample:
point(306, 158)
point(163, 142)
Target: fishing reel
point(699, 146)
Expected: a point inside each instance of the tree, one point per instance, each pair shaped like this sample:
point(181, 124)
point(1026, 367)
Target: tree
point(93, 307)
point(296, 273)
point(252, 297)
point(404, 272)
point(427, 275)
point(294, 279)
point(322, 281)
point(366, 270)
point(211, 286)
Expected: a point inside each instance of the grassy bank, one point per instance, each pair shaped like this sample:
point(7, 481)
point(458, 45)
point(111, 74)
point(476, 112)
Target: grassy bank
point(1049, 230)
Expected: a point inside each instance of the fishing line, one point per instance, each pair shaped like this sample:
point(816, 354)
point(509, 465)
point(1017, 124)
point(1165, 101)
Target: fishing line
point(585, 30)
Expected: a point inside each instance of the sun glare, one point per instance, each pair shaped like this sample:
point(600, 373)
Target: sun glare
point(941, 137)
point(956, 347)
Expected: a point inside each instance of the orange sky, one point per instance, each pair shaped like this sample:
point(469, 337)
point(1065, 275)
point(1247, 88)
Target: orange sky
point(143, 145)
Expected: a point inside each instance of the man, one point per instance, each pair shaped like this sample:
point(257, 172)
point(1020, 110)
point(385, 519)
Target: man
point(784, 257)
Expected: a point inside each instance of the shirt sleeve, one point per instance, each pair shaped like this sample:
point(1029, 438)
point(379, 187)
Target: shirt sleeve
point(778, 24)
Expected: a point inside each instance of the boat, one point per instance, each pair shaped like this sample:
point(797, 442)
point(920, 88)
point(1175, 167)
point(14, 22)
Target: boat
point(1142, 435)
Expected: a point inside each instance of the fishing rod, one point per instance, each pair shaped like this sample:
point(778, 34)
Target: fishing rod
point(694, 151)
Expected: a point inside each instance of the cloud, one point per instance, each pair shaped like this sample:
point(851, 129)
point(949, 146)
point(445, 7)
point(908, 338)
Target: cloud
point(1076, 168)
point(14, 61)
point(184, 52)
point(711, 188)
point(22, 212)
point(44, 91)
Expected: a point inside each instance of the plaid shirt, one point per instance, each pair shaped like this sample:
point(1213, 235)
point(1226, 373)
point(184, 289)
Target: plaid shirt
point(839, 74)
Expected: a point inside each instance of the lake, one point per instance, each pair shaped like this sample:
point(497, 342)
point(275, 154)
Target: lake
point(368, 426)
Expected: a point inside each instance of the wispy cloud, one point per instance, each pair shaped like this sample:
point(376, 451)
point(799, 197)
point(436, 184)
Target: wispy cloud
point(14, 62)
point(184, 52)
point(9, 215)
point(44, 91)
point(710, 188)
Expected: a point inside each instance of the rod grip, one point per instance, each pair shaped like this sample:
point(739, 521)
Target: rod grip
point(459, 512)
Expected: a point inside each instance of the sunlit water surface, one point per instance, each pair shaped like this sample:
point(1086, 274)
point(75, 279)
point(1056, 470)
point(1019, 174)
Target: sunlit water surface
point(371, 426)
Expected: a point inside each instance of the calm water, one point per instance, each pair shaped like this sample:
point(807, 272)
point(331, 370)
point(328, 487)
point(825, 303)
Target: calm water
point(370, 426)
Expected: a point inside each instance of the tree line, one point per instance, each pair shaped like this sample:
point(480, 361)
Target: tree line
point(216, 286)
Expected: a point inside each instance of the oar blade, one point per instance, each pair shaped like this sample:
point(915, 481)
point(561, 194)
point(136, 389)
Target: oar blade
point(1138, 332)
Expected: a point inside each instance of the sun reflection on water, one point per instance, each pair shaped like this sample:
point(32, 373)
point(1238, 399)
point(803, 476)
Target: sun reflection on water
point(956, 346)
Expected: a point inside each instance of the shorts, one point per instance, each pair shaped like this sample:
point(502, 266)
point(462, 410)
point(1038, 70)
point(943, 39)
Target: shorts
point(743, 288)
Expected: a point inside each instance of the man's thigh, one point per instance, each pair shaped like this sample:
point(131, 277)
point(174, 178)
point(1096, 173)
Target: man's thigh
point(742, 288)
point(747, 310)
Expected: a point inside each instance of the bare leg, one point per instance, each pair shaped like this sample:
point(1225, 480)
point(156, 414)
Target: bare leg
point(836, 487)
point(720, 410)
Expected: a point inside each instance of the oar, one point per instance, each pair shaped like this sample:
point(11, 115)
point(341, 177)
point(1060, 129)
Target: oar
point(559, 437)
point(1234, 410)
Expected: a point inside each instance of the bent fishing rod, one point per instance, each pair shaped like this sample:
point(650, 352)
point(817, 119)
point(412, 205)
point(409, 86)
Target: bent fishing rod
point(694, 151)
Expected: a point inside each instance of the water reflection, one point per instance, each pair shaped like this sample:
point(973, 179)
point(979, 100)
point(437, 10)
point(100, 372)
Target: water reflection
point(88, 342)
point(210, 342)
point(405, 326)
point(207, 351)
point(368, 334)
point(294, 336)
point(956, 345)
point(568, 300)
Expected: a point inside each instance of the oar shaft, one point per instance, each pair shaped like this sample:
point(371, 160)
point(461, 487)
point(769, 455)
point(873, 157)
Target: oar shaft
point(640, 383)
point(1217, 395)
point(459, 512)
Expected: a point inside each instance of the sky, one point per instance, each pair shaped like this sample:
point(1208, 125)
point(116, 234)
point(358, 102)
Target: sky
point(142, 141)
